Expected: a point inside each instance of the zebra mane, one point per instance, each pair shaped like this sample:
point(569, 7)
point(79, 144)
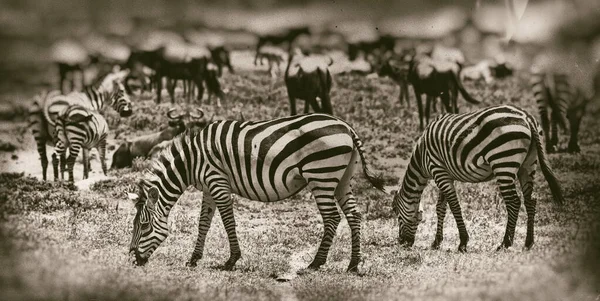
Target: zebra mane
point(168, 155)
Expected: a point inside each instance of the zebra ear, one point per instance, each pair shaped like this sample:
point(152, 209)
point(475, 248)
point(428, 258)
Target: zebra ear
point(152, 197)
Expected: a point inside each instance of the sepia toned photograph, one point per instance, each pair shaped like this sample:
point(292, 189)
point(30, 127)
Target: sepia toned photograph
point(300, 150)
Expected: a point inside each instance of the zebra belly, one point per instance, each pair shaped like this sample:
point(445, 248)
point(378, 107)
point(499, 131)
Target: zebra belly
point(293, 183)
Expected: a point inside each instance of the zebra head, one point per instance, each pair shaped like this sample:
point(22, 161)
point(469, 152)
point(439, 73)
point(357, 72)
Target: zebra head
point(148, 234)
point(409, 214)
point(120, 100)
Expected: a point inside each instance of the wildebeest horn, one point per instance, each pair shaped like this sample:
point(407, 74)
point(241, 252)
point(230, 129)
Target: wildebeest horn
point(330, 61)
point(170, 114)
point(199, 115)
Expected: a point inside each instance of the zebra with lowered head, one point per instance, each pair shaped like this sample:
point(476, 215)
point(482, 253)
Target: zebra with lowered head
point(79, 128)
point(501, 143)
point(110, 92)
point(265, 161)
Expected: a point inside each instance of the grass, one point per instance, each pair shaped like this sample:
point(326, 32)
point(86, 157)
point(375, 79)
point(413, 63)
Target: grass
point(59, 243)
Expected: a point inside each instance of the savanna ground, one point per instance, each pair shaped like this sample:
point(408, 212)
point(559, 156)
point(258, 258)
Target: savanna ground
point(63, 242)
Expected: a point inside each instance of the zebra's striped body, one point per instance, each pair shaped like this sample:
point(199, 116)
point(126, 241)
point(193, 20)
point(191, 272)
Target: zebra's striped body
point(46, 106)
point(265, 161)
point(499, 143)
point(559, 100)
point(79, 128)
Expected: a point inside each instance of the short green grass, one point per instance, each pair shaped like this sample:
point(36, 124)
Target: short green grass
point(59, 243)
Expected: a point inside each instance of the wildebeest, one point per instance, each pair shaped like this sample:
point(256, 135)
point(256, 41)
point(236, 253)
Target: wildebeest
point(142, 146)
point(279, 38)
point(435, 79)
point(308, 78)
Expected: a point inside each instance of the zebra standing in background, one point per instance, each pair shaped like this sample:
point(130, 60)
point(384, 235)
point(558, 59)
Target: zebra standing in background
point(500, 143)
point(266, 161)
point(42, 114)
point(78, 128)
point(559, 100)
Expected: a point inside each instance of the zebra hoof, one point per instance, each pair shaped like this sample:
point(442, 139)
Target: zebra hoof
point(191, 264)
point(227, 267)
point(353, 266)
point(436, 245)
point(462, 249)
point(501, 248)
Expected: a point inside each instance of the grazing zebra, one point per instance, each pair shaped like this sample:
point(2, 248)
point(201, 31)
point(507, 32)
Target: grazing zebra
point(501, 143)
point(265, 161)
point(42, 114)
point(78, 128)
point(559, 99)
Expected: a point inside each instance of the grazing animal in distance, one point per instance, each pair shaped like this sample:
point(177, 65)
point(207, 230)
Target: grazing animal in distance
point(221, 57)
point(79, 128)
point(561, 103)
point(274, 57)
point(279, 38)
point(47, 105)
point(308, 78)
point(501, 143)
point(436, 79)
point(141, 146)
point(70, 58)
point(265, 161)
point(397, 69)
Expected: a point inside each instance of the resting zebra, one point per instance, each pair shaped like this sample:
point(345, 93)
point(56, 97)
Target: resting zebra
point(42, 114)
point(266, 161)
point(78, 128)
point(499, 143)
point(559, 99)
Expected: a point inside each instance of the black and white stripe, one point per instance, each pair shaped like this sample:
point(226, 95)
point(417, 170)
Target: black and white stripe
point(501, 143)
point(265, 161)
point(46, 106)
point(559, 101)
point(79, 128)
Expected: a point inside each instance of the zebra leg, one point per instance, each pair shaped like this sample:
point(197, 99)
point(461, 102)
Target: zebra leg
point(446, 186)
point(86, 163)
point(526, 177)
point(73, 153)
point(44, 159)
point(59, 148)
point(54, 166)
point(331, 220)
point(102, 152)
point(225, 205)
point(440, 210)
point(508, 191)
point(553, 134)
point(206, 214)
point(348, 205)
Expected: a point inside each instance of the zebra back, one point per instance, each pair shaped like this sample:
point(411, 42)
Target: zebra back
point(80, 124)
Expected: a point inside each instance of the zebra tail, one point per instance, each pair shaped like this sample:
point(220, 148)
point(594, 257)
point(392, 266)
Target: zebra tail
point(555, 188)
point(463, 91)
point(375, 180)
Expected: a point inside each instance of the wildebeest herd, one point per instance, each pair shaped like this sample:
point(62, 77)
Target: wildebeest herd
point(273, 159)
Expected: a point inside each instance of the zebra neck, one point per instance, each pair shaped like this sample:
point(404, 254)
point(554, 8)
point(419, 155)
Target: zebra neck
point(416, 176)
point(97, 97)
point(175, 170)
